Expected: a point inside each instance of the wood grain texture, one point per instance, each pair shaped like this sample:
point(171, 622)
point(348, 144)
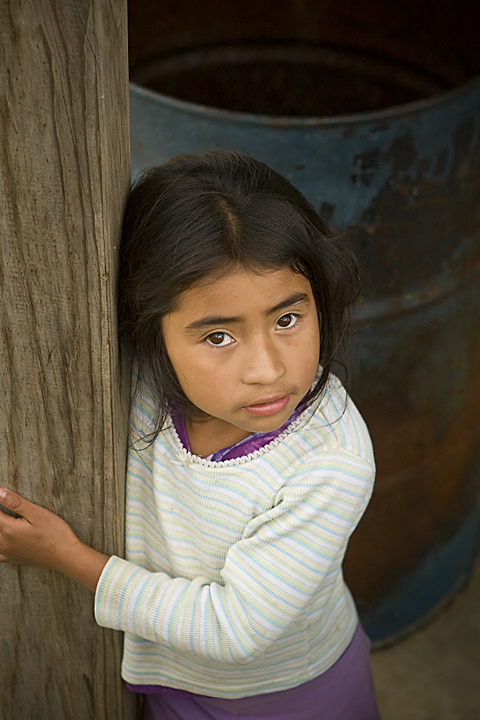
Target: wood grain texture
point(64, 172)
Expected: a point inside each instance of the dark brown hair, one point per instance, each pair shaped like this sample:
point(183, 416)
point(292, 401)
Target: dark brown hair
point(200, 214)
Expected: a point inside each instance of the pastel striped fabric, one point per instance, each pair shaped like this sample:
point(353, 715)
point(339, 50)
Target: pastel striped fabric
point(233, 583)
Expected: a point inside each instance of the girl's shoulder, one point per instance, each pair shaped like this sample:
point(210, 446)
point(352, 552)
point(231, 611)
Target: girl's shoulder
point(332, 424)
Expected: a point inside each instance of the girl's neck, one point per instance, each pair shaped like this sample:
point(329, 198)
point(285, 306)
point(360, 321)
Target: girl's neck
point(206, 436)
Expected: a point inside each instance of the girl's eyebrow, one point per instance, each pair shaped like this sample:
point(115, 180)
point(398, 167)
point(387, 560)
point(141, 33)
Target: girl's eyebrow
point(212, 320)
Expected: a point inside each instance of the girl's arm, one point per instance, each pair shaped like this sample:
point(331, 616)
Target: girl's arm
point(42, 539)
point(287, 558)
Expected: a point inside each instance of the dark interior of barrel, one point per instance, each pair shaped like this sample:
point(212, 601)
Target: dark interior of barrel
point(308, 58)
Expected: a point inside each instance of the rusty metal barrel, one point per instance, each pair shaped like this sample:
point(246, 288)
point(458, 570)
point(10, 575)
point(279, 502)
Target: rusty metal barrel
point(373, 112)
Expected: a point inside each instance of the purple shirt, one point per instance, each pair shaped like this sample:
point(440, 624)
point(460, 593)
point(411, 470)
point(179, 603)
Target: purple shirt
point(244, 447)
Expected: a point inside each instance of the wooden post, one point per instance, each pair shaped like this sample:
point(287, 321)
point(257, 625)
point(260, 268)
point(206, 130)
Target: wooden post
point(64, 172)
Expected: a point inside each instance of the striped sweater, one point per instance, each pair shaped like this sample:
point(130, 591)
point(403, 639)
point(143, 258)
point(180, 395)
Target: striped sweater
point(233, 581)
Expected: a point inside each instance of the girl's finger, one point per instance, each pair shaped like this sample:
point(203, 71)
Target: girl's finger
point(14, 502)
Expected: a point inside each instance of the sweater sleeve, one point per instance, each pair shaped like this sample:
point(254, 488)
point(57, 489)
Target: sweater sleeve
point(268, 578)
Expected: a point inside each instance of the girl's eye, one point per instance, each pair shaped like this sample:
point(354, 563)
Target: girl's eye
point(219, 339)
point(287, 321)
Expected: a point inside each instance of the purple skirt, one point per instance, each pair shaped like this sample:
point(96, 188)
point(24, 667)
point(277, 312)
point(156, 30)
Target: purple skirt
point(344, 692)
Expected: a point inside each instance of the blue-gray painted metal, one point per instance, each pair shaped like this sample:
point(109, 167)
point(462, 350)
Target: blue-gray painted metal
point(319, 156)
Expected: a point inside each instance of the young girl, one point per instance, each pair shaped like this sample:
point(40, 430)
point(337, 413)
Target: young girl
point(249, 467)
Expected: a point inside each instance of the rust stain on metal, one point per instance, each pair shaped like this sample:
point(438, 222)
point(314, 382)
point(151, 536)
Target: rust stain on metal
point(425, 422)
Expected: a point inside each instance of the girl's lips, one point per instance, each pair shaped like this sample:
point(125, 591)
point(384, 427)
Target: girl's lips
point(269, 408)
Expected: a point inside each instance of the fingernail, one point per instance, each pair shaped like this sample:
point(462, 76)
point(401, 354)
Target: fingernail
point(3, 493)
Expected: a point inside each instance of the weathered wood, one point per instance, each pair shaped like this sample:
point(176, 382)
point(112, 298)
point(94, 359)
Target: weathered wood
point(64, 171)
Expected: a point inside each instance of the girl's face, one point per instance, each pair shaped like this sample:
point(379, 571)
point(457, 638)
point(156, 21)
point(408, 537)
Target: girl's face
point(245, 348)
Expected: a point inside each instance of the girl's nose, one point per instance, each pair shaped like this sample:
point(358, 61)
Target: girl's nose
point(263, 363)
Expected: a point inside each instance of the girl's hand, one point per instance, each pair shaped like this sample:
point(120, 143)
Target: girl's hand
point(37, 538)
point(40, 538)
